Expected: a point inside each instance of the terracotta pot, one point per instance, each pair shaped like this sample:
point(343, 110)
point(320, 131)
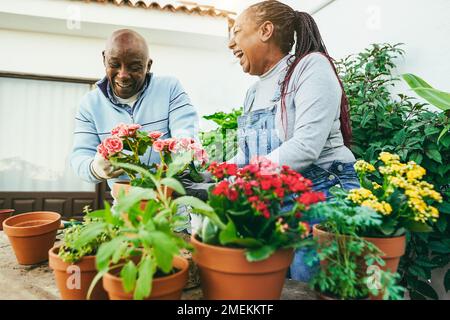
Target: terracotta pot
point(74, 279)
point(393, 249)
point(120, 185)
point(32, 235)
point(163, 288)
point(226, 274)
point(5, 214)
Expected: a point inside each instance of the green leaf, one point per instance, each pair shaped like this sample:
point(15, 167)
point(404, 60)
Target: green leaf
point(424, 262)
point(194, 202)
point(120, 252)
point(434, 154)
point(105, 251)
point(418, 271)
point(128, 275)
point(416, 157)
point(439, 247)
point(443, 132)
point(180, 161)
point(133, 167)
point(447, 281)
point(426, 290)
point(444, 207)
point(229, 234)
point(173, 184)
point(89, 233)
point(209, 232)
point(144, 280)
point(445, 138)
point(387, 229)
point(150, 210)
point(431, 130)
point(136, 194)
point(442, 223)
point(435, 97)
point(165, 248)
point(259, 254)
point(238, 213)
point(415, 226)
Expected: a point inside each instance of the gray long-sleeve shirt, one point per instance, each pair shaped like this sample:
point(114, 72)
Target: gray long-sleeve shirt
point(312, 110)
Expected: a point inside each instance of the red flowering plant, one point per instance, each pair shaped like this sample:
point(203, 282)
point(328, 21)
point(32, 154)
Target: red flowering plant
point(259, 207)
point(127, 144)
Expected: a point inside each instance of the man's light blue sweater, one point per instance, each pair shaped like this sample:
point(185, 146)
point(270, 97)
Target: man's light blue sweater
point(163, 105)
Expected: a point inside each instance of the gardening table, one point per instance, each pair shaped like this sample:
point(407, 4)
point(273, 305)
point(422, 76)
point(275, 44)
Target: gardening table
point(36, 282)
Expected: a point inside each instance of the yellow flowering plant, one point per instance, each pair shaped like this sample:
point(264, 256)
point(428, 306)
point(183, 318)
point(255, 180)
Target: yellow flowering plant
point(397, 192)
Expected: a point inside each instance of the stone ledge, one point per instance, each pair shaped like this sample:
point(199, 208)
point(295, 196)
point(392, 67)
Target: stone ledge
point(36, 282)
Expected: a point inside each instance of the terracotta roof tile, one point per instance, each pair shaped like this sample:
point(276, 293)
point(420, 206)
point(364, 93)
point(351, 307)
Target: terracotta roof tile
point(172, 6)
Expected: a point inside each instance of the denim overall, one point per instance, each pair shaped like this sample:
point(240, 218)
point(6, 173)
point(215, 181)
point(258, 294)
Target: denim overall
point(257, 136)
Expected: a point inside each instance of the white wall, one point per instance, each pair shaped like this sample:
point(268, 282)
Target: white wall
point(348, 26)
point(212, 78)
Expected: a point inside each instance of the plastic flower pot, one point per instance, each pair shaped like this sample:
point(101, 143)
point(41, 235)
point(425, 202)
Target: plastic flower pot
point(32, 235)
point(5, 214)
point(74, 279)
point(226, 274)
point(163, 288)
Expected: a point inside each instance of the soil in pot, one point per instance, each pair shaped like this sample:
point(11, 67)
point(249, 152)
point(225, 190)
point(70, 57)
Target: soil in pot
point(164, 287)
point(226, 274)
point(32, 235)
point(74, 279)
point(5, 214)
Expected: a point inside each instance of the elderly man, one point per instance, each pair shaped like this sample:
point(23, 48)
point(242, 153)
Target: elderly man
point(129, 93)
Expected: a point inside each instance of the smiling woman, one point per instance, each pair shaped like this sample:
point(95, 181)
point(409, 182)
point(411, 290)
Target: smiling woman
point(296, 114)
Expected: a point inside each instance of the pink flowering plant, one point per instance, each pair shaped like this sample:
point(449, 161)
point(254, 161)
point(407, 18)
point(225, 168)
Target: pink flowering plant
point(127, 144)
point(249, 208)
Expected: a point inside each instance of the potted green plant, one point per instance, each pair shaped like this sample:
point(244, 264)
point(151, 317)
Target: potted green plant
point(246, 242)
point(74, 265)
point(127, 143)
point(396, 191)
point(349, 264)
point(142, 259)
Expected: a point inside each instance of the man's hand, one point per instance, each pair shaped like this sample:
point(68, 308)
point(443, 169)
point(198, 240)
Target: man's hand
point(103, 169)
